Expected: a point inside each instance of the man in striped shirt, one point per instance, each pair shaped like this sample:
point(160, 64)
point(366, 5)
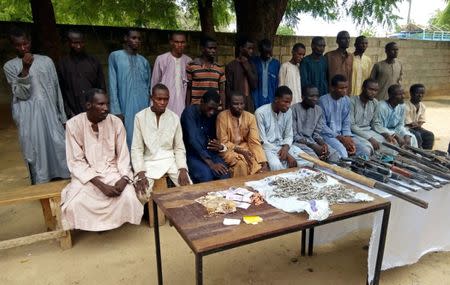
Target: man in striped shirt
point(204, 73)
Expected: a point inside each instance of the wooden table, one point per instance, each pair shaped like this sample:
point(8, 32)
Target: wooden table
point(206, 235)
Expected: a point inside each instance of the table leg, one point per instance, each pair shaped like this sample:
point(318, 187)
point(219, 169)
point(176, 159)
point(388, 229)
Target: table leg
point(199, 269)
point(311, 242)
point(157, 242)
point(303, 243)
point(381, 244)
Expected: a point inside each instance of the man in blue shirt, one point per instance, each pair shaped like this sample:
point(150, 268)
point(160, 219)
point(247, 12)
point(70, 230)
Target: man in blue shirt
point(389, 120)
point(199, 134)
point(267, 69)
point(337, 130)
point(129, 82)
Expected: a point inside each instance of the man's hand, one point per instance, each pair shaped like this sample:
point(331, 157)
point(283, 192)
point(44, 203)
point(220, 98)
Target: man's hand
point(413, 125)
point(243, 60)
point(27, 61)
point(183, 177)
point(291, 161)
point(219, 168)
point(108, 190)
point(283, 152)
point(407, 140)
point(348, 143)
point(142, 183)
point(246, 154)
point(399, 140)
point(121, 184)
point(215, 145)
point(264, 167)
point(317, 149)
point(389, 138)
point(324, 146)
point(374, 143)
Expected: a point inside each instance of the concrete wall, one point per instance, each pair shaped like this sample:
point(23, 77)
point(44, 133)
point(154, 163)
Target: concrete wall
point(425, 62)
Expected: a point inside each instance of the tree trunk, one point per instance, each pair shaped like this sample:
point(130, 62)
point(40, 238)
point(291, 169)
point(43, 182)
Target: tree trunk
point(259, 19)
point(205, 9)
point(46, 37)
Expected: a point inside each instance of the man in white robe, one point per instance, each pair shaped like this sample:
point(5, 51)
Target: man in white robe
point(275, 130)
point(100, 196)
point(158, 147)
point(289, 74)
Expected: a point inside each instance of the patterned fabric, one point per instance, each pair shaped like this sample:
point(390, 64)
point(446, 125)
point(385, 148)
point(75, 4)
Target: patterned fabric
point(204, 77)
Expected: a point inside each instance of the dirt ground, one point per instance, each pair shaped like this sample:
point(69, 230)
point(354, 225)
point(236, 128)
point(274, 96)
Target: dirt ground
point(126, 255)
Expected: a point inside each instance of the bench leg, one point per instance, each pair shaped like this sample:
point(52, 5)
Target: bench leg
point(65, 241)
point(50, 220)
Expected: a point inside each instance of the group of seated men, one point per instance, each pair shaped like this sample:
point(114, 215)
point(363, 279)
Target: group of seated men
point(187, 138)
point(205, 145)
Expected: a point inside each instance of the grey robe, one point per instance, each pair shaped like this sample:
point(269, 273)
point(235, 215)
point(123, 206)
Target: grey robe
point(38, 112)
point(308, 124)
point(362, 118)
point(386, 74)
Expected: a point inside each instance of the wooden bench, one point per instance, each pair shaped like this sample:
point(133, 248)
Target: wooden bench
point(49, 195)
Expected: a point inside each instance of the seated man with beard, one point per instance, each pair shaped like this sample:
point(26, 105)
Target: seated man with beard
point(101, 195)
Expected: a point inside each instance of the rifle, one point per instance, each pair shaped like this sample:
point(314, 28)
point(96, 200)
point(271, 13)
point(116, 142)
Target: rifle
point(391, 177)
point(441, 160)
point(424, 168)
point(366, 181)
point(410, 177)
point(422, 160)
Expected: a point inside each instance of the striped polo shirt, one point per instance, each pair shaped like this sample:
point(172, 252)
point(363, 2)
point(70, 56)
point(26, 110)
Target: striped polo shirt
point(204, 77)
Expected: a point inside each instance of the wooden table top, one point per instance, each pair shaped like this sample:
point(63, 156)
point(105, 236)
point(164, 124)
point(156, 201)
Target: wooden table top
point(205, 233)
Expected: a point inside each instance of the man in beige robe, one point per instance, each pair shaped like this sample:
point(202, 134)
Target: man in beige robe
point(100, 196)
point(362, 65)
point(237, 130)
point(158, 147)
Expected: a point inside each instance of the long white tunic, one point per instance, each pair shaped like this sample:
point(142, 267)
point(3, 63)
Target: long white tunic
point(290, 76)
point(158, 149)
point(104, 155)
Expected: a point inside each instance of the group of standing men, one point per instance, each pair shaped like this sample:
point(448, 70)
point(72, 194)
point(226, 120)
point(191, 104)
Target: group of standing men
point(171, 123)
